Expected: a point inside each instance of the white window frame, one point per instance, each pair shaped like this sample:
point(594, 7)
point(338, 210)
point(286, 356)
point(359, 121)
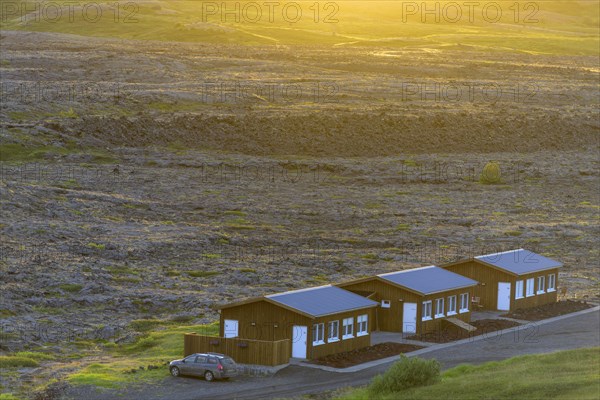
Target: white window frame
point(541, 284)
point(333, 331)
point(464, 303)
point(427, 311)
point(439, 302)
point(530, 287)
point(347, 328)
point(386, 304)
point(318, 334)
point(451, 305)
point(551, 281)
point(519, 289)
point(362, 325)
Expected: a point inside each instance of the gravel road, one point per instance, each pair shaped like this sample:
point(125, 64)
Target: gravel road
point(569, 333)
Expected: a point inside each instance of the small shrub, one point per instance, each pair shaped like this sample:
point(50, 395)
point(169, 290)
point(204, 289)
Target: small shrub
point(405, 374)
point(96, 246)
point(491, 174)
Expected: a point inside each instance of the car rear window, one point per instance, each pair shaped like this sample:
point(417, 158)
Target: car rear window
point(227, 361)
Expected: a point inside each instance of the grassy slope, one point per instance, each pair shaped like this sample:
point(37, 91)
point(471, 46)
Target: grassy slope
point(109, 367)
point(565, 375)
point(561, 27)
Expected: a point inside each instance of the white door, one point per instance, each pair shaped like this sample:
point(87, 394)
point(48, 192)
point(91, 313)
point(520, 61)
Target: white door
point(231, 328)
point(409, 318)
point(504, 296)
point(299, 334)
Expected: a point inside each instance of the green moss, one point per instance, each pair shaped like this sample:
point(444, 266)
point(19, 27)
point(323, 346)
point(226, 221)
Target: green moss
point(17, 361)
point(96, 246)
point(71, 287)
point(202, 274)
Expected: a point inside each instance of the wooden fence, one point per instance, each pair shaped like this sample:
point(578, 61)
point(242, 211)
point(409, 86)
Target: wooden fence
point(243, 351)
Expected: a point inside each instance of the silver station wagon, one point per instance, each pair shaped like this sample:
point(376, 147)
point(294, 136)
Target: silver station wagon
point(209, 365)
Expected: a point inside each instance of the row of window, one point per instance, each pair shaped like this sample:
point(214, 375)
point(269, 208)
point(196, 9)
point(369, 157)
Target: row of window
point(333, 329)
point(527, 288)
point(440, 310)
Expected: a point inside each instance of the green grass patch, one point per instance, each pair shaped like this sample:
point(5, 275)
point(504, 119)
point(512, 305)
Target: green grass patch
point(235, 212)
point(565, 375)
point(19, 153)
point(513, 233)
point(34, 355)
point(154, 348)
point(9, 396)
point(126, 279)
point(121, 270)
point(71, 287)
point(248, 270)
point(17, 361)
point(145, 325)
point(202, 274)
point(211, 255)
point(96, 246)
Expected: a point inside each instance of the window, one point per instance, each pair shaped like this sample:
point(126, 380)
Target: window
point(451, 305)
point(464, 302)
point(212, 360)
point(551, 283)
point(426, 310)
point(439, 308)
point(385, 304)
point(318, 334)
point(362, 324)
point(333, 331)
point(541, 285)
point(519, 290)
point(529, 291)
point(201, 359)
point(348, 328)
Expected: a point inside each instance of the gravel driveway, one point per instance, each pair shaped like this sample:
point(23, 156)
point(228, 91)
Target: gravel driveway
point(569, 333)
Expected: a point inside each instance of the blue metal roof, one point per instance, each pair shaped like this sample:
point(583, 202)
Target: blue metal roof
point(322, 300)
point(428, 280)
point(519, 261)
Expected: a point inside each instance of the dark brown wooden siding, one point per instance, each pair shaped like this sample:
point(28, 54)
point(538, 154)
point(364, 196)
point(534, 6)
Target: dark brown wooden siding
point(262, 320)
point(390, 319)
point(489, 277)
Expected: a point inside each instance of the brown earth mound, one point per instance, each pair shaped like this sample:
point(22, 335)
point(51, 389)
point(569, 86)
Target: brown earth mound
point(549, 310)
point(359, 356)
point(488, 327)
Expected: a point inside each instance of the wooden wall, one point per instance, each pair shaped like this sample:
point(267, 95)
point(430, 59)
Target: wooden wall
point(243, 351)
point(262, 320)
point(489, 277)
point(537, 299)
point(342, 345)
point(390, 319)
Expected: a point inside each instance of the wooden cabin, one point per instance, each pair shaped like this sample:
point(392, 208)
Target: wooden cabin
point(510, 280)
point(416, 300)
point(320, 321)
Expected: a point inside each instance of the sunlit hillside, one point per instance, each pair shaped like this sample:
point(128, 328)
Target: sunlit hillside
point(547, 27)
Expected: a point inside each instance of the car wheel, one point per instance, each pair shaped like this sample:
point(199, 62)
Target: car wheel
point(175, 371)
point(209, 376)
